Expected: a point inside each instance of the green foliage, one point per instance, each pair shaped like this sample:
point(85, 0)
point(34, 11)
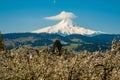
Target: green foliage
point(1, 42)
point(57, 46)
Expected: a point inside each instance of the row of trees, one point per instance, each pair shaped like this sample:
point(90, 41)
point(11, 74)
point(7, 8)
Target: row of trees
point(28, 63)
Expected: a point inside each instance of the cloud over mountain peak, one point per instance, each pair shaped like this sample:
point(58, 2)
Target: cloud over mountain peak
point(61, 16)
point(65, 26)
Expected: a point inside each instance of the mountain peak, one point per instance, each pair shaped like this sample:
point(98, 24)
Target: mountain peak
point(65, 22)
point(66, 26)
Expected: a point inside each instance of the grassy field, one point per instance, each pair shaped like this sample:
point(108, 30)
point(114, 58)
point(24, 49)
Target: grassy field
point(71, 47)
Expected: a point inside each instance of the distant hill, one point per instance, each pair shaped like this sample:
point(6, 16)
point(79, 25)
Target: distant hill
point(74, 41)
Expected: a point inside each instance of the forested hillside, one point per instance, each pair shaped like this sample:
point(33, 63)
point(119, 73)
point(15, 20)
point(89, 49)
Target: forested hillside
point(71, 42)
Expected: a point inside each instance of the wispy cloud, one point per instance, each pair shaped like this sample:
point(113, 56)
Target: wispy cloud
point(61, 16)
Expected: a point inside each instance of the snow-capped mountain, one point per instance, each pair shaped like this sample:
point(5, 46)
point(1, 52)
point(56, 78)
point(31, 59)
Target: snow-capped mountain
point(66, 27)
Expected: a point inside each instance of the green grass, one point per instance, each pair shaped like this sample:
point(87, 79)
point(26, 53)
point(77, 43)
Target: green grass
point(71, 46)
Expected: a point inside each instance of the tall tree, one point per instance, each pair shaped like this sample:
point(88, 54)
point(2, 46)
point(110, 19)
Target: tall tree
point(57, 46)
point(1, 42)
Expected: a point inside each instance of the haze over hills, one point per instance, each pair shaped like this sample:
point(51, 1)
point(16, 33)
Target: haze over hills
point(75, 42)
point(66, 26)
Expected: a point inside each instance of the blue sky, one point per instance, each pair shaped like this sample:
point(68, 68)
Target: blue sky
point(27, 15)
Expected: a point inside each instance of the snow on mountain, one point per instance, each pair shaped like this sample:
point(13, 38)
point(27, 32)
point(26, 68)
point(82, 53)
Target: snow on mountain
point(66, 26)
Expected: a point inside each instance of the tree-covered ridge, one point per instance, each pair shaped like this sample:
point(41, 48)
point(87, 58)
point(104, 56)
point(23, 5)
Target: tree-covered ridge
point(75, 41)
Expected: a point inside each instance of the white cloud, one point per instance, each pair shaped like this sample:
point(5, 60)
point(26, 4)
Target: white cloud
point(61, 16)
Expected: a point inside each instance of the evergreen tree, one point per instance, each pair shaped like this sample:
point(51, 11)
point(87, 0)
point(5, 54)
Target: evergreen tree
point(1, 42)
point(57, 46)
